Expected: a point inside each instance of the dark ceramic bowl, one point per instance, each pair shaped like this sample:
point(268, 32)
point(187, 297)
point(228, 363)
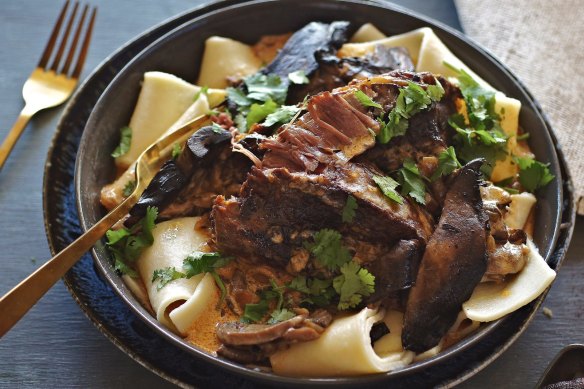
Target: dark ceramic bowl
point(179, 52)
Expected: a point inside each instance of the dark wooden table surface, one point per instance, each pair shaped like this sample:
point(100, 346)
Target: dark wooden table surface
point(55, 345)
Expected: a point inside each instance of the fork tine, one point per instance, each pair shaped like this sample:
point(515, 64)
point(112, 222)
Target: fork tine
point(64, 39)
point(51, 43)
point(85, 47)
point(73, 46)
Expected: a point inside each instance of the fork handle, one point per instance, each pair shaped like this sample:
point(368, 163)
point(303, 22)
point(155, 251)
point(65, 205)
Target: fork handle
point(14, 134)
point(16, 303)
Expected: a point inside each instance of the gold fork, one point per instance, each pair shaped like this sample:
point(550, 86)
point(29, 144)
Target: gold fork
point(15, 303)
point(49, 86)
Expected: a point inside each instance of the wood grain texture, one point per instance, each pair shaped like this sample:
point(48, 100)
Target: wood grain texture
point(55, 345)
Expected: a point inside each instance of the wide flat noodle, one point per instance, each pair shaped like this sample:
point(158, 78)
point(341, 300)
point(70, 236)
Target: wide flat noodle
point(344, 349)
point(162, 101)
point(519, 209)
point(152, 120)
point(491, 300)
point(224, 57)
point(174, 240)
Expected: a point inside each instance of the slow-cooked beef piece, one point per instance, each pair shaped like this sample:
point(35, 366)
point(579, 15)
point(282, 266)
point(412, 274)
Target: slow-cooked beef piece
point(338, 126)
point(428, 131)
point(187, 187)
point(334, 72)
point(279, 210)
point(453, 264)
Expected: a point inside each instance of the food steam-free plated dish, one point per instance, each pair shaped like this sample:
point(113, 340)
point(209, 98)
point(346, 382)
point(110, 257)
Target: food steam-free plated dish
point(356, 238)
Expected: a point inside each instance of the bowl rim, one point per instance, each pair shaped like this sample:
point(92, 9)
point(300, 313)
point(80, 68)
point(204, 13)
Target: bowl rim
point(137, 308)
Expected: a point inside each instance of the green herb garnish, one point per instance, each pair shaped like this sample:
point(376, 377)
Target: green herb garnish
point(412, 182)
point(353, 284)
point(328, 250)
point(298, 77)
point(387, 186)
point(279, 315)
point(126, 245)
point(447, 163)
point(203, 91)
point(533, 174)
point(282, 115)
point(349, 209)
point(166, 275)
point(125, 142)
point(129, 188)
point(176, 150)
point(366, 101)
point(411, 100)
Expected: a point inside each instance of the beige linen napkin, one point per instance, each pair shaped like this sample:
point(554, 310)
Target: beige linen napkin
point(542, 42)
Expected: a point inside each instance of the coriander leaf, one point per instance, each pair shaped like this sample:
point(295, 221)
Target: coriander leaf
point(436, 91)
point(125, 142)
point(126, 245)
point(298, 77)
point(176, 150)
point(328, 249)
point(166, 275)
point(237, 96)
point(221, 286)
point(299, 284)
point(121, 267)
point(115, 236)
point(282, 115)
point(240, 123)
point(523, 136)
point(349, 209)
point(262, 87)
point(275, 292)
point(412, 182)
point(200, 262)
point(129, 188)
point(447, 163)
point(317, 291)
point(387, 186)
point(533, 174)
point(216, 128)
point(254, 313)
point(396, 125)
point(280, 315)
point(352, 285)
point(411, 100)
point(366, 101)
point(259, 112)
point(203, 91)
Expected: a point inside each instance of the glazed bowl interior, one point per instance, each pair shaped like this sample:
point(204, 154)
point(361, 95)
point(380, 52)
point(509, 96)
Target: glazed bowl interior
point(179, 53)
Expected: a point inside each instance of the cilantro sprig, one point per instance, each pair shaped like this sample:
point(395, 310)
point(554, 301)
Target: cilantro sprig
point(353, 284)
point(126, 245)
point(366, 101)
point(479, 134)
point(533, 174)
point(195, 263)
point(125, 142)
point(412, 182)
point(349, 209)
point(262, 100)
point(447, 163)
point(387, 186)
point(328, 250)
point(411, 100)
